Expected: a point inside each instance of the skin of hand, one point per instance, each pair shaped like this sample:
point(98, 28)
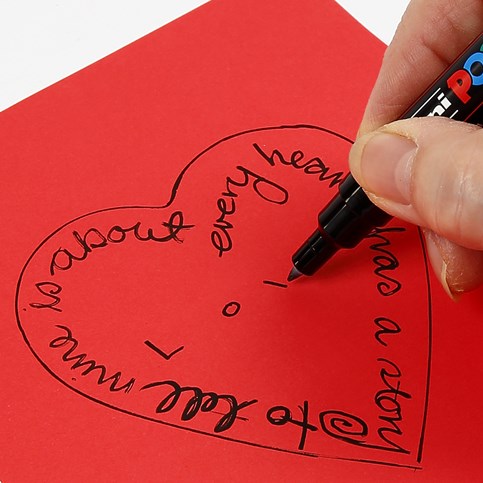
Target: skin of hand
point(428, 171)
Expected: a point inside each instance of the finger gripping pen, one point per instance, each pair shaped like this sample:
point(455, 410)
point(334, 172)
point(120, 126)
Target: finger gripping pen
point(350, 216)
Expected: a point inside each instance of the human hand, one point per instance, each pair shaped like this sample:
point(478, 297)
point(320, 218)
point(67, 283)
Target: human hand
point(428, 171)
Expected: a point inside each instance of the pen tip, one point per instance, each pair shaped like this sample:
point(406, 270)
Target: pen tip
point(294, 273)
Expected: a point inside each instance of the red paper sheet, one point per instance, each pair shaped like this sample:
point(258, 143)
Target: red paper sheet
point(150, 206)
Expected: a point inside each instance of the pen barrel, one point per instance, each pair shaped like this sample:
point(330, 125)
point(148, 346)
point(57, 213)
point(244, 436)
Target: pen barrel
point(350, 216)
point(457, 93)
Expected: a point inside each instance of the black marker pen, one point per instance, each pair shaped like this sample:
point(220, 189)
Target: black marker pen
point(351, 216)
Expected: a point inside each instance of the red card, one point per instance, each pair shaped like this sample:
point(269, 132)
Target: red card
point(151, 204)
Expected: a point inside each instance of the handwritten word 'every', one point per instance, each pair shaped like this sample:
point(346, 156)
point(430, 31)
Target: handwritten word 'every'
point(266, 189)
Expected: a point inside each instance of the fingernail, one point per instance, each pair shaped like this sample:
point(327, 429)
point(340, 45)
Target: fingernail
point(384, 163)
point(434, 249)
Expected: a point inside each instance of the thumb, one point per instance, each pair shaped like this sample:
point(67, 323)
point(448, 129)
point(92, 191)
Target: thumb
point(429, 171)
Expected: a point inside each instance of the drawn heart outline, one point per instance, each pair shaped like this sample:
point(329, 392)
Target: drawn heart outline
point(261, 184)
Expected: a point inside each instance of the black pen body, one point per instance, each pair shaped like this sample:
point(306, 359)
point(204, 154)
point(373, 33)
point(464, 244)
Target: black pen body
point(350, 216)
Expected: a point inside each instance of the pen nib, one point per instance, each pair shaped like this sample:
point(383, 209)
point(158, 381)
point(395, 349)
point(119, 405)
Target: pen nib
point(294, 273)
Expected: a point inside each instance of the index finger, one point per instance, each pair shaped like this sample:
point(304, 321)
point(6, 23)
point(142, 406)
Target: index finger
point(430, 36)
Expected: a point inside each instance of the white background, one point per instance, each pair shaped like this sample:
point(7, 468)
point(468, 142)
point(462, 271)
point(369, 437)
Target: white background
point(43, 41)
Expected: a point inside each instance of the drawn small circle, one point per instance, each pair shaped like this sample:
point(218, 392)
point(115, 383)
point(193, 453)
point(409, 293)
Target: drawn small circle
point(231, 309)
